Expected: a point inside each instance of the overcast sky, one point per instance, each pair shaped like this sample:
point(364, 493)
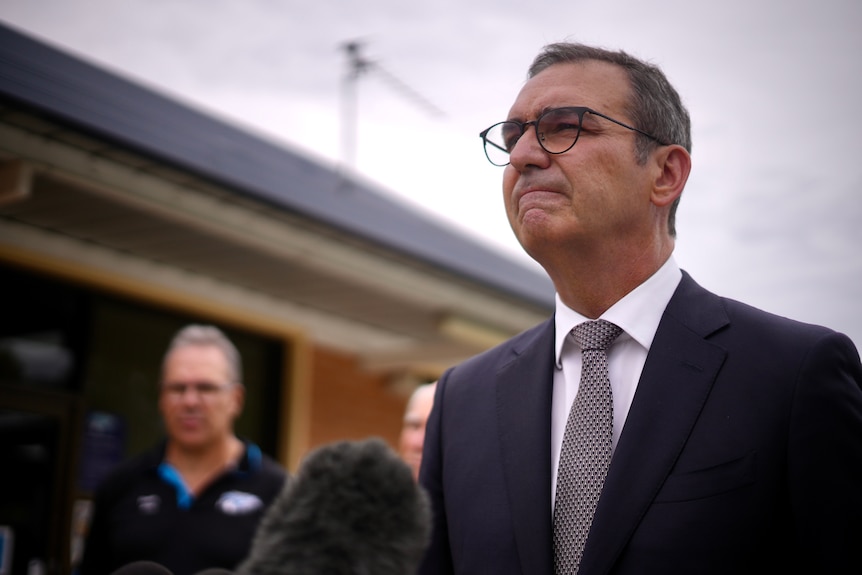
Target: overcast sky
point(772, 213)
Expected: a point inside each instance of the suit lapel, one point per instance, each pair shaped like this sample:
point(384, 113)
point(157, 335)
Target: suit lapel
point(524, 388)
point(674, 385)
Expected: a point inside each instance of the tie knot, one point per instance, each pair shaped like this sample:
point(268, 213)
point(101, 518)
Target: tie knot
point(597, 334)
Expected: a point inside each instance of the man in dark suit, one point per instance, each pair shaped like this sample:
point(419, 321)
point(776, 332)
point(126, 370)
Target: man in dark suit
point(735, 436)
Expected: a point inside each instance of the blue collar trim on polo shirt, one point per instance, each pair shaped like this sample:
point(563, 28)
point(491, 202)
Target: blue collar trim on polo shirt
point(250, 463)
point(253, 456)
point(172, 477)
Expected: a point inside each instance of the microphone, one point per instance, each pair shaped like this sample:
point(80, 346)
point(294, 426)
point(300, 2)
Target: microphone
point(142, 568)
point(352, 508)
point(153, 568)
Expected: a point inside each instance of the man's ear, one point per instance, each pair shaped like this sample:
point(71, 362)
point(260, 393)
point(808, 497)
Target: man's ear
point(674, 165)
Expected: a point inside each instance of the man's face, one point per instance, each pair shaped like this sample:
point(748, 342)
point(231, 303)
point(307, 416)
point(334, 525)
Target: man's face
point(413, 429)
point(594, 194)
point(198, 401)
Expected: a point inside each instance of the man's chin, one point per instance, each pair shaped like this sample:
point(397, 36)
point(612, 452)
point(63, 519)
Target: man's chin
point(190, 441)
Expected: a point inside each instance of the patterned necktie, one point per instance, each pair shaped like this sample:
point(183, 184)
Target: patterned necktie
point(586, 451)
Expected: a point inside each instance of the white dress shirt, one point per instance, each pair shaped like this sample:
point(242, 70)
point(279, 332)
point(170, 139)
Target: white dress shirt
point(638, 314)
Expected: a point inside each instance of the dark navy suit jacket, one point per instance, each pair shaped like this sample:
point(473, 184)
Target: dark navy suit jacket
point(741, 453)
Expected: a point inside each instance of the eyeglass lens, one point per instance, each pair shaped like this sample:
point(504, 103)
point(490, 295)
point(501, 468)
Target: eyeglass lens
point(557, 132)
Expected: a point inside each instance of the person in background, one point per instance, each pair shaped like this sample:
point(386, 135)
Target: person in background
point(413, 426)
point(649, 427)
point(194, 501)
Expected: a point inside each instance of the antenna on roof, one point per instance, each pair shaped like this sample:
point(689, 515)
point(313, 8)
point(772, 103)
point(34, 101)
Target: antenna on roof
point(357, 65)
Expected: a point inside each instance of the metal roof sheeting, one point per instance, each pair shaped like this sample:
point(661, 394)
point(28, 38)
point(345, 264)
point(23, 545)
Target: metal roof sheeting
point(99, 103)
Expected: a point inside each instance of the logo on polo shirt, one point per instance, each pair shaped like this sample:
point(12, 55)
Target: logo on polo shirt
point(238, 503)
point(149, 504)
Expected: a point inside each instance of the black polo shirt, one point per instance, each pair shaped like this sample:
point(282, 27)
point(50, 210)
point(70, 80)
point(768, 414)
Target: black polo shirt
point(142, 511)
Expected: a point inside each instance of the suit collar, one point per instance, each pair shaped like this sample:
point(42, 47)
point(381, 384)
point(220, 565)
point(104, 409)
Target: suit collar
point(523, 395)
point(674, 385)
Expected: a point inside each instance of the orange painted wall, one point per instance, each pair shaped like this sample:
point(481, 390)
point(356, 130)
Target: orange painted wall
point(349, 402)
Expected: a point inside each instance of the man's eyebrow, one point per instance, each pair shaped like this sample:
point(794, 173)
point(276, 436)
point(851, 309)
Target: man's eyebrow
point(547, 109)
point(542, 111)
point(521, 120)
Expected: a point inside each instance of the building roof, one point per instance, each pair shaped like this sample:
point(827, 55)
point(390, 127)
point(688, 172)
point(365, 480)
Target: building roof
point(54, 84)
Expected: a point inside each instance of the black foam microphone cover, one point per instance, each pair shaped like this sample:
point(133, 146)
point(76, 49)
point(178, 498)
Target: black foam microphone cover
point(143, 568)
point(353, 508)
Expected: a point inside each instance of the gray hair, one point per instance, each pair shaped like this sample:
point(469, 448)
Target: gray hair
point(211, 336)
point(655, 106)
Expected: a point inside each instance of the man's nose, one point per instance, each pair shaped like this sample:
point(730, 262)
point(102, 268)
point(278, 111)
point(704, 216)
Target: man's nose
point(528, 151)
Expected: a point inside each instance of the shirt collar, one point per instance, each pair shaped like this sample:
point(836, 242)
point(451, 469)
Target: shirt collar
point(638, 313)
point(250, 461)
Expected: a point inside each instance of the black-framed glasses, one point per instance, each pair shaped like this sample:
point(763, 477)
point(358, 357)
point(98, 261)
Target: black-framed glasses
point(557, 130)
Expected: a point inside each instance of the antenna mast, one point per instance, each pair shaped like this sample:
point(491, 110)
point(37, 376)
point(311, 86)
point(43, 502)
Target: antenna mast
point(357, 65)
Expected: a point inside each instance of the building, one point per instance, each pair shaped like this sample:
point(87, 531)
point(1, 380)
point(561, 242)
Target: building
point(125, 215)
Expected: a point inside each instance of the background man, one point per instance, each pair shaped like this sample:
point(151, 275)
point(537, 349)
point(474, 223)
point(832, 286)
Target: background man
point(413, 426)
point(194, 501)
point(711, 437)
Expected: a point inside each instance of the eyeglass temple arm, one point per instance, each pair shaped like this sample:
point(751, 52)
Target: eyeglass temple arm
point(624, 125)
